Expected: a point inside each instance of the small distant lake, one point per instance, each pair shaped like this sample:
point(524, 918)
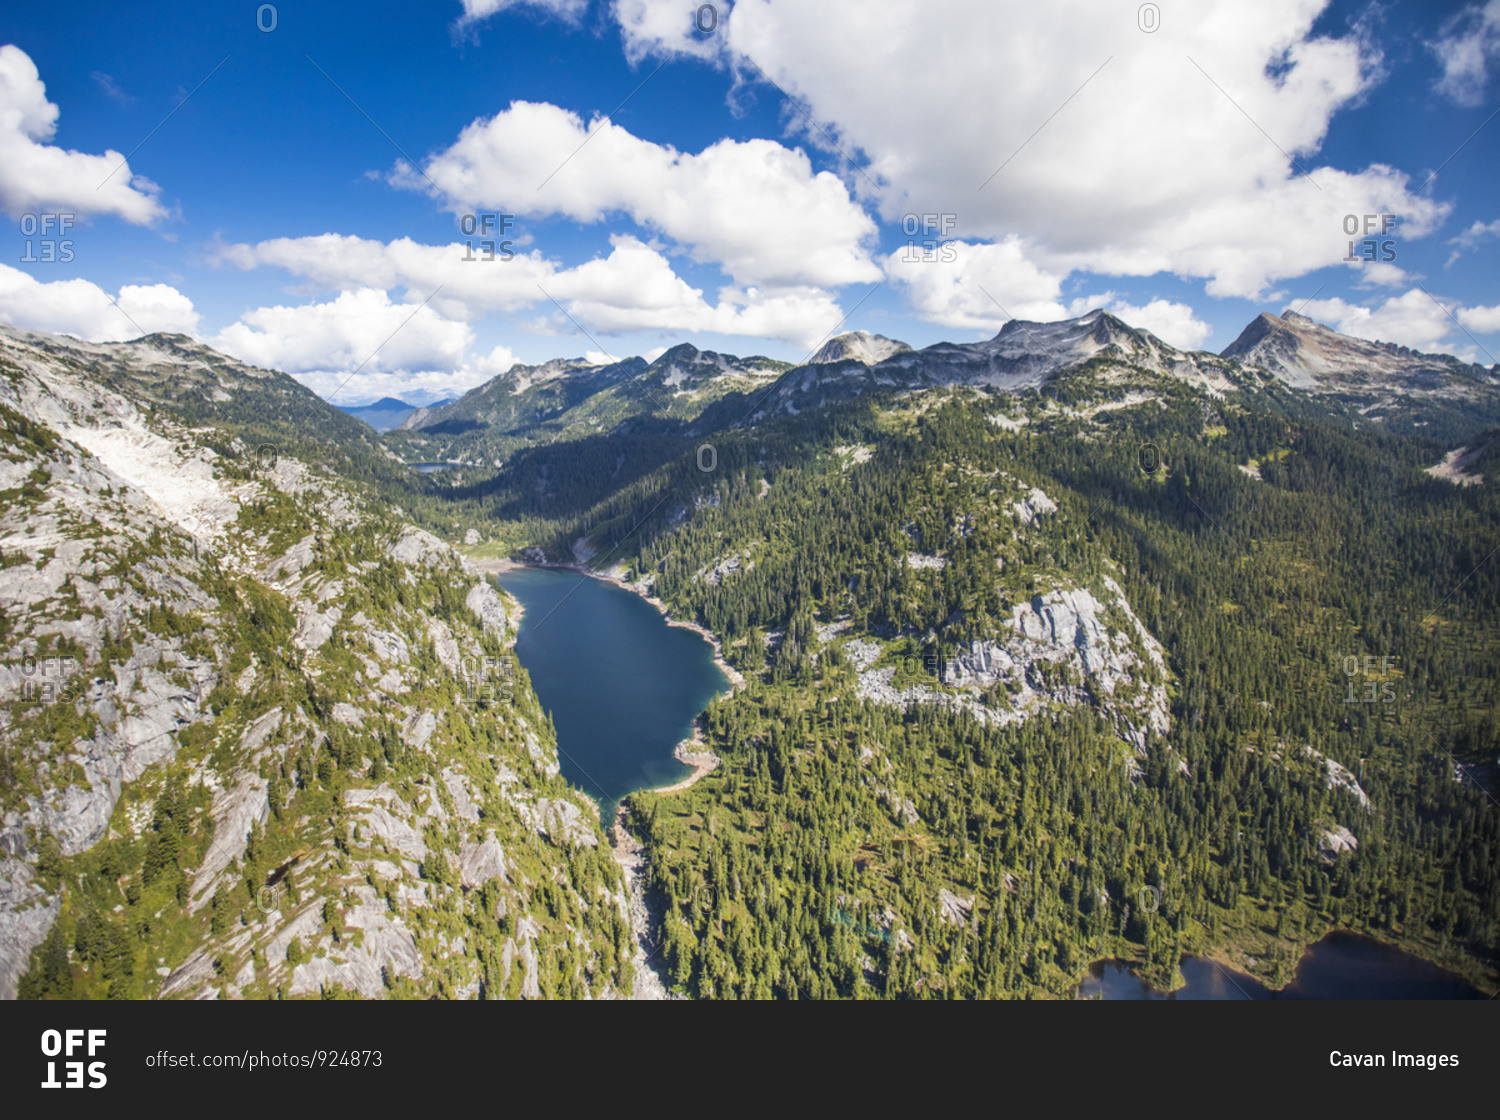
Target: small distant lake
point(429, 468)
point(622, 686)
point(1341, 966)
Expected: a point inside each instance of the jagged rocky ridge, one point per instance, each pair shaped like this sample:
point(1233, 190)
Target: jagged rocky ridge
point(570, 398)
point(1307, 355)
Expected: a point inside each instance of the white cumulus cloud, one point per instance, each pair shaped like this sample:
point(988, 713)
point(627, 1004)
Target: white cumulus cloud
point(1173, 323)
point(476, 11)
point(1104, 149)
point(36, 176)
point(754, 208)
point(361, 327)
point(1472, 238)
point(82, 308)
point(633, 288)
point(975, 286)
point(1484, 320)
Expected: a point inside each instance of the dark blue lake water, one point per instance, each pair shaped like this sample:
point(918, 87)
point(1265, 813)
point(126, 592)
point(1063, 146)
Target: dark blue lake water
point(622, 686)
point(1341, 966)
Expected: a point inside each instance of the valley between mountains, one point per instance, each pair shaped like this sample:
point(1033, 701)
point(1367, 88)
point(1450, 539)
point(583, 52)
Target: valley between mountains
point(1058, 647)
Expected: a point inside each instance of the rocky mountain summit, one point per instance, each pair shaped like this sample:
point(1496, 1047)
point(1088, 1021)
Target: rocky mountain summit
point(1307, 355)
point(1377, 382)
point(857, 346)
point(386, 413)
point(1025, 355)
point(522, 396)
point(569, 398)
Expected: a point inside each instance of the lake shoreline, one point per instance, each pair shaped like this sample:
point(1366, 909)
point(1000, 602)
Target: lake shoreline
point(499, 565)
point(683, 751)
point(1219, 971)
point(491, 566)
point(628, 850)
point(1299, 982)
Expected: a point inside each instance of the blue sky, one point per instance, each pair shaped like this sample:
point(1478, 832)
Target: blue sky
point(750, 189)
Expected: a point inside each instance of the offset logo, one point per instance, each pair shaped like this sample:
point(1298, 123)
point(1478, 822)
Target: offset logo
point(67, 1044)
point(53, 243)
point(490, 248)
point(1370, 246)
point(936, 244)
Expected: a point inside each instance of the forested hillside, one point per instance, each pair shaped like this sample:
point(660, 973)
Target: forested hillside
point(1121, 667)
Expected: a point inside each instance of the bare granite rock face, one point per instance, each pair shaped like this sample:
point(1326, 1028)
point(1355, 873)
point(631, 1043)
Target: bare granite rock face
point(315, 627)
point(954, 909)
point(716, 573)
point(26, 914)
point(1335, 841)
point(385, 644)
point(385, 948)
point(146, 548)
point(236, 811)
point(545, 762)
point(123, 748)
point(1059, 647)
point(290, 564)
point(479, 863)
point(1338, 777)
point(258, 731)
point(562, 821)
point(381, 814)
point(195, 972)
point(902, 808)
point(418, 729)
point(526, 934)
point(421, 549)
point(348, 715)
point(1033, 505)
point(488, 607)
point(444, 646)
point(458, 789)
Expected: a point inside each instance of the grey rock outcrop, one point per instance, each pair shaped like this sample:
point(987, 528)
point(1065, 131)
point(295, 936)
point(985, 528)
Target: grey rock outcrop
point(488, 607)
point(236, 812)
point(26, 914)
point(561, 821)
point(479, 863)
point(386, 948)
point(1059, 647)
point(382, 815)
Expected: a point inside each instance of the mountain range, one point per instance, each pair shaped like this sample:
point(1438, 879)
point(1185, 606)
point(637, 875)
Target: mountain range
point(571, 398)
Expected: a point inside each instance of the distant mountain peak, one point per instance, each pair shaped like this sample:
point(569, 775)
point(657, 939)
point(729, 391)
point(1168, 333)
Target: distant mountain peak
point(683, 351)
point(1098, 324)
point(686, 367)
point(1026, 354)
point(1307, 354)
point(858, 346)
